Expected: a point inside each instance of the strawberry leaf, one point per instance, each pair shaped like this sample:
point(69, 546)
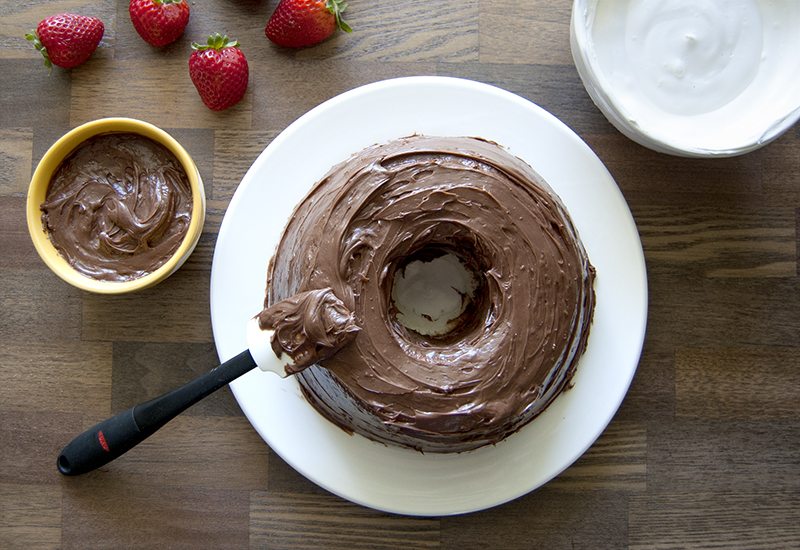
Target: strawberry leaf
point(337, 7)
point(33, 38)
point(217, 42)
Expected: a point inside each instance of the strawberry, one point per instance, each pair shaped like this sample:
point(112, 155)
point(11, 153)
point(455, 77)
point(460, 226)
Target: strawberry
point(219, 71)
point(159, 22)
point(66, 39)
point(301, 23)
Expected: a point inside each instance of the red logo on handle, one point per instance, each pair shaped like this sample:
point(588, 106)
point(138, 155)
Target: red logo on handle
point(102, 439)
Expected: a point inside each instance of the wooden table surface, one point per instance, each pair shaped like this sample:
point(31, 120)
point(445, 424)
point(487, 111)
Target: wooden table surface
point(702, 453)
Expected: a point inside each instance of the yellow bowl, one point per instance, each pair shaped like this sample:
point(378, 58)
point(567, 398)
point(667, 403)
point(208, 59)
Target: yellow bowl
point(52, 160)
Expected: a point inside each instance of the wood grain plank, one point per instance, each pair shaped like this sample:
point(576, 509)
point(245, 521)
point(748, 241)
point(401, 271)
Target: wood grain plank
point(112, 512)
point(215, 212)
point(16, 150)
point(284, 520)
point(544, 519)
point(406, 32)
point(38, 306)
point(199, 143)
point(781, 168)
point(203, 254)
point(538, 30)
point(696, 311)
point(69, 376)
point(311, 83)
point(617, 461)
point(738, 383)
point(283, 479)
point(23, 109)
point(18, 18)
point(651, 396)
point(174, 310)
point(143, 370)
point(661, 180)
point(16, 248)
point(193, 451)
point(763, 519)
point(555, 88)
point(234, 152)
point(30, 516)
point(737, 242)
point(717, 456)
point(161, 93)
point(30, 442)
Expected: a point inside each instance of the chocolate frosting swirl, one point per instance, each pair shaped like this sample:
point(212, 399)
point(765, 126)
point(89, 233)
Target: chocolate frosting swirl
point(308, 327)
point(118, 206)
point(535, 297)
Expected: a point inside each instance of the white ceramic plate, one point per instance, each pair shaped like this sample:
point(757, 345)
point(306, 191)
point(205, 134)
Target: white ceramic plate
point(400, 480)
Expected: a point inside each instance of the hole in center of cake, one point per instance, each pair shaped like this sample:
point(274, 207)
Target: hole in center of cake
point(435, 293)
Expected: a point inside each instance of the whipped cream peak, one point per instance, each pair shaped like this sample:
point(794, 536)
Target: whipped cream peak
point(697, 78)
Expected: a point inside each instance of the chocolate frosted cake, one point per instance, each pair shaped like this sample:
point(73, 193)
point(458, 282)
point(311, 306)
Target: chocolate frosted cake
point(523, 287)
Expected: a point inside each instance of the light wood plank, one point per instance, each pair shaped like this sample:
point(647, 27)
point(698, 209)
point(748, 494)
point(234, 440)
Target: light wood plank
point(538, 30)
point(234, 152)
point(16, 149)
point(18, 18)
point(174, 310)
point(161, 93)
point(30, 516)
point(66, 376)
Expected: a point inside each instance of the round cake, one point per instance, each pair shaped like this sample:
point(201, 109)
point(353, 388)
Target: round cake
point(468, 281)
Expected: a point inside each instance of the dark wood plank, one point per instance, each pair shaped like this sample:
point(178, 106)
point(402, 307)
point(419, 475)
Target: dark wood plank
point(143, 370)
point(109, 511)
point(617, 461)
point(544, 519)
point(219, 453)
point(765, 519)
point(37, 306)
point(31, 441)
point(738, 383)
point(718, 456)
point(289, 520)
point(702, 453)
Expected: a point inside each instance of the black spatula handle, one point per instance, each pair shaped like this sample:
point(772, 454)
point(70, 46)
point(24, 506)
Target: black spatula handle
point(115, 436)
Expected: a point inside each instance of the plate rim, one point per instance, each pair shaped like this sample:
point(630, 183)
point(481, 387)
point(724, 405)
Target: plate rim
point(636, 341)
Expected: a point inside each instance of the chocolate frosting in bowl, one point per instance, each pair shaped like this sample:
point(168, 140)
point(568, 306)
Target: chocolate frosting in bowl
point(518, 347)
point(118, 206)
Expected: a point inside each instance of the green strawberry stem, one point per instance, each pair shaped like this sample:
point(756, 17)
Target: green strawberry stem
point(33, 38)
point(167, 1)
point(217, 42)
point(337, 7)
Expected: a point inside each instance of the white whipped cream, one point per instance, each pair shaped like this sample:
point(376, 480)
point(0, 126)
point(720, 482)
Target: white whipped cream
point(692, 77)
